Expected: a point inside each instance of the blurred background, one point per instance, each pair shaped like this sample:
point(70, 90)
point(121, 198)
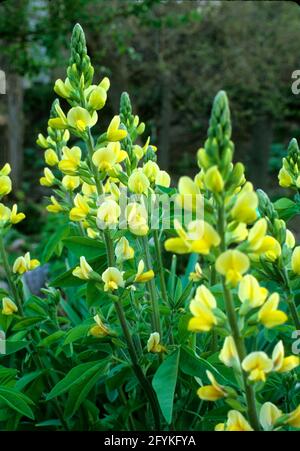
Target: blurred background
point(172, 57)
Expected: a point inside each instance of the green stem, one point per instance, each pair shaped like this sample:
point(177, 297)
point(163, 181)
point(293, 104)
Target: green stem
point(160, 266)
point(291, 301)
point(9, 276)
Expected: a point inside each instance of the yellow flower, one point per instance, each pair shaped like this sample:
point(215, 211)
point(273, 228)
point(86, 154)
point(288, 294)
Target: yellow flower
point(138, 183)
point(24, 264)
point(153, 343)
point(220, 427)
point(228, 354)
point(83, 271)
point(88, 190)
point(232, 264)
point(113, 131)
point(16, 217)
point(213, 180)
point(296, 260)
point(142, 276)
point(48, 178)
point(251, 291)
point(107, 158)
point(290, 239)
point(257, 234)
point(5, 214)
point(63, 89)
point(163, 179)
point(285, 180)
point(244, 209)
point(108, 214)
point(5, 185)
point(80, 119)
point(6, 170)
point(42, 141)
point(269, 248)
point(97, 98)
point(268, 415)
point(189, 197)
point(211, 392)
point(197, 275)
point(203, 317)
point(237, 422)
point(70, 159)
point(199, 238)
point(203, 159)
point(51, 157)
point(105, 83)
point(137, 218)
point(281, 363)
point(258, 365)
point(55, 207)
point(91, 233)
point(294, 418)
point(99, 330)
point(238, 234)
point(81, 209)
point(268, 314)
point(206, 297)
point(8, 306)
point(60, 122)
point(113, 279)
point(151, 170)
point(123, 250)
point(70, 182)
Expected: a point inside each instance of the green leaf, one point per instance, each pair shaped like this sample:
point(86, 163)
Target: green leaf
point(54, 241)
point(88, 247)
point(164, 383)
point(286, 208)
point(26, 323)
point(76, 333)
point(16, 401)
point(53, 338)
point(196, 366)
point(14, 346)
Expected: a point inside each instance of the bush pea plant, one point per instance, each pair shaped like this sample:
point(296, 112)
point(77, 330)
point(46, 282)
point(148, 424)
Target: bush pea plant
point(146, 326)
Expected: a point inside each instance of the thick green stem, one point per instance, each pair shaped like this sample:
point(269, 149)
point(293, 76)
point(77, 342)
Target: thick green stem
point(160, 266)
point(291, 301)
point(9, 276)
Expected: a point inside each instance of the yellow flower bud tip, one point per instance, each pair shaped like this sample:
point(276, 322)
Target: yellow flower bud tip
point(51, 157)
point(213, 180)
point(5, 185)
point(83, 271)
point(80, 119)
point(54, 207)
point(62, 89)
point(16, 217)
point(48, 179)
point(70, 182)
point(151, 170)
point(8, 306)
point(190, 197)
point(97, 98)
point(24, 264)
point(105, 84)
point(6, 170)
point(153, 343)
point(281, 363)
point(203, 318)
point(108, 214)
point(232, 264)
point(123, 250)
point(113, 131)
point(138, 183)
point(81, 209)
point(141, 276)
point(5, 214)
point(285, 179)
point(258, 365)
point(245, 207)
point(294, 418)
point(42, 141)
point(113, 279)
point(99, 330)
point(257, 234)
point(250, 290)
point(296, 260)
point(197, 275)
point(268, 415)
point(269, 315)
point(163, 179)
point(228, 354)
point(204, 296)
point(237, 422)
point(91, 233)
point(212, 392)
point(290, 239)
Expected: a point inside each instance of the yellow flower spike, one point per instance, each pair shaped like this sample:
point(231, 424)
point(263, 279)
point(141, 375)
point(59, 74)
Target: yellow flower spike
point(237, 422)
point(99, 330)
point(268, 415)
point(80, 119)
point(137, 219)
point(123, 250)
point(285, 179)
point(294, 418)
point(88, 190)
point(212, 392)
point(244, 209)
point(269, 315)
point(107, 158)
point(296, 260)
point(281, 363)
point(189, 197)
point(48, 179)
point(213, 180)
point(16, 217)
point(206, 297)
point(151, 170)
point(153, 343)
point(113, 279)
point(5, 214)
point(163, 179)
point(138, 183)
point(257, 234)
point(197, 275)
point(141, 276)
point(108, 213)
point(5, 185)
point(8, 306)
point(81, 209)
point(258, 365)
point(6, 170)
point(70, 182)
point(51, 157)
point(71, 159)
point(97, 98)
point(290, 239)
point(24, 264)
point(113, 131)
point(232, 264)
point(54, 207)
point(83, 271)
point(228, 354)
point(250, 290)
point(203, 318)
